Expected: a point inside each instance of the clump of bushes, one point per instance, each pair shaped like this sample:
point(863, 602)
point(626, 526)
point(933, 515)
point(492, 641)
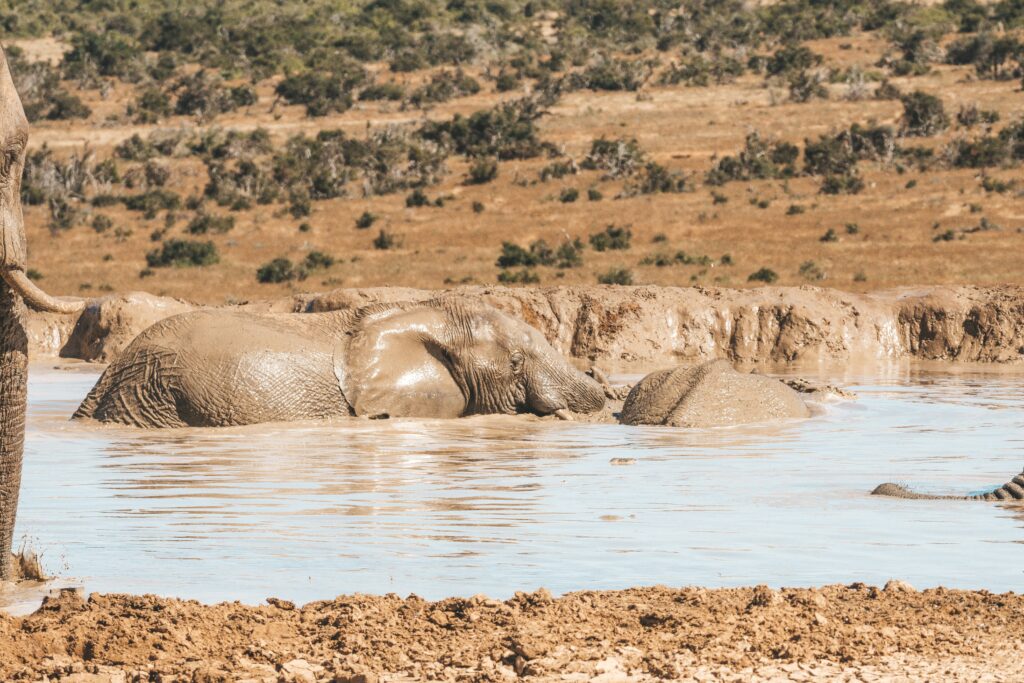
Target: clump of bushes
point(206, 223)
point(766, 275)
point(482, 170)
point(569, 254)
point(923, 114)
point(524, 276)
point(322, 92)
point(444, 86)
point(619, 157)
point(759, 159)
point(276, 271)
point(205, 95)
point(616, 276)
point(507, 131)
point(613, 73)
point(611, 238)
point(183, 254)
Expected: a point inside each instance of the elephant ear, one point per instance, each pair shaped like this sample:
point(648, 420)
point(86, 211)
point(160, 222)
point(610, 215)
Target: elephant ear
point(392, 363)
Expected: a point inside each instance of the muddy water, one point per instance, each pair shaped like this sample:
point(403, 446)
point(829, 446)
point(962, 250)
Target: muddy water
point(498, 504)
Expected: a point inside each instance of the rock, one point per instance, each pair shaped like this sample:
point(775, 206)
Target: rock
point(301, 671)
point(622, 461)
point(281, 604)
point(897, 586)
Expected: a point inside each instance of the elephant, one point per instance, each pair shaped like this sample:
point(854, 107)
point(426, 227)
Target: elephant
point(443, 358)
point(16, 290)
point(711, 394)
point(1011, 491)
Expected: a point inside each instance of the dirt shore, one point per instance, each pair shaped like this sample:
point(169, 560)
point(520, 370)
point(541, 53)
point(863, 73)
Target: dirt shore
point(643, 328)
point(854, 632)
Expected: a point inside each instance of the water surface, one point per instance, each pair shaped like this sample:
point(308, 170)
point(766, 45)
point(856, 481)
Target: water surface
point(499, 504)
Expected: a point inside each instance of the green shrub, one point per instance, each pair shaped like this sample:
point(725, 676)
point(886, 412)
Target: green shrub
point(507, 131)
point(703, 70)
point(766, 275)
point(444, 86)
point(107, 53)
point(923, 114)
point(152, 202)
point(829, 236)
point(791, 59)
point(101, 223)
point(276, 271)
point(321, 93)
point(482, 170)
point(417, 199)
point(594, 194)
point(654, 178)
point(613, 73)
point(365, 220)
point(616, 276)
point(382, 91)
point(970, 116)
point(558, 169)
point(612, 237)
point(205, 223)
point(568, 195)
point(64, 105)
point(183, 254)
point(849, 182)
point(759, 159)
point(317, 260)
point(809, 270)
point(386, 240)
point(524, 276)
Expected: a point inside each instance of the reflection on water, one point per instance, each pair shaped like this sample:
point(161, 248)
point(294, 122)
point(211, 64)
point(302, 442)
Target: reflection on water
point(498, 504)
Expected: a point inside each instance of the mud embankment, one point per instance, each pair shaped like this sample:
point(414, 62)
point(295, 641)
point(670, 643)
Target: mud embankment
point(652, 326)
point(831, 633)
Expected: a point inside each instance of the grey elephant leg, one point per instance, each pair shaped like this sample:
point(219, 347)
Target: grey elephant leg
point(13, 382)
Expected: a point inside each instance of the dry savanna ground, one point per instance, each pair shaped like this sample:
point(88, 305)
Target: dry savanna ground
point(897, 216)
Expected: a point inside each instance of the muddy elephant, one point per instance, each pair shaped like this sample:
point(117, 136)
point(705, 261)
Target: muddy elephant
point(441, 358)
point(15, 291)
point(711, 394)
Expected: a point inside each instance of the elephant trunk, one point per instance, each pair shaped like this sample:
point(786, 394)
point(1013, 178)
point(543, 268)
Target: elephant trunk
point(13, 383)
point(556, 388)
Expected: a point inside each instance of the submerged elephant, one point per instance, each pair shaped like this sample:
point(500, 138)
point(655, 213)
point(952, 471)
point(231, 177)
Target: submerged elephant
point(711, 394)
point(1011, 490)
point(436, 359)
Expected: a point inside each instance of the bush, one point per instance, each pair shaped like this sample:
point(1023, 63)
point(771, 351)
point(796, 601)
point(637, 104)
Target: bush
point(152, 202)
point(183, 254)
point(386, 240)
point(806, 85)
point(620, 157)
point(993, 56)
point(568, 195)
point(791, 59)
point(205, 223)
point(483, 170)
point(444, 86)
point(612, 73)
point(322, 93)
point(655, 178)
point(365, 220)
point(107, 53)
point(612, 237)
point(507, 131)
point(766, 275)
point(417, 199)
point(101, 223)
point(276, 271)
point(849, 182)
point(923, 114)
point(970, 116)
point(521, 277)
point(65, 106)
point(616, 276)
point(382, 91)
point(317, 260)
point(150, 106)
point(759, 159)
point(701, 70)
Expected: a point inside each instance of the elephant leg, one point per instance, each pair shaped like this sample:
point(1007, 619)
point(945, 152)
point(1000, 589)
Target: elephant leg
point(13, 384)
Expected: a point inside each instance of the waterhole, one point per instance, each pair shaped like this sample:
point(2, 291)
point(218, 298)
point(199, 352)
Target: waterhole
point(498, 504)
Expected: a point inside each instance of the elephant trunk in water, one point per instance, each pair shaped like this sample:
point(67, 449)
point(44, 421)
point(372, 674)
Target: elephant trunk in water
point(555, 389)
point(1011, 490)
point(15, 291)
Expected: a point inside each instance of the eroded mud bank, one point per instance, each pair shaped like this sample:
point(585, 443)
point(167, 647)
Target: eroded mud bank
point(653, 326)
point(829, 633)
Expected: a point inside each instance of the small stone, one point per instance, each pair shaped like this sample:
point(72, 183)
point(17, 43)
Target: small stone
point(439, 617)
point(281, 604)
point(622, 461)
point(301, 671)
point(897, 586)
point(820, 619)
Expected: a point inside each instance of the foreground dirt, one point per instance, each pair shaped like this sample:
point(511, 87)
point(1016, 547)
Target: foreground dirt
point(854, 632)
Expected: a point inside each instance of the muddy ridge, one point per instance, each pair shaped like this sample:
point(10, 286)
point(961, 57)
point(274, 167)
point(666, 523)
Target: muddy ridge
point(640, 633)
point(651, 326)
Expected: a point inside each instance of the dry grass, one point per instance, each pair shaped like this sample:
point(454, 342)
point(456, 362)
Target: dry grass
point(682, 128)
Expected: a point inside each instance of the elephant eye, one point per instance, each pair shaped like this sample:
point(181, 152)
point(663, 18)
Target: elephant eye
point(517, 362)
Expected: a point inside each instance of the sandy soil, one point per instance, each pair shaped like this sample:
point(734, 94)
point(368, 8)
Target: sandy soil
point(852, 632)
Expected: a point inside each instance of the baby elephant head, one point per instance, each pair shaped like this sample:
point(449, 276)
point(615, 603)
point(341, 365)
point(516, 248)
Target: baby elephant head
point(444, 359)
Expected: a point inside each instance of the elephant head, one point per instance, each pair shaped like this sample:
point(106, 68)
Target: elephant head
point(15, 288)
point(448, 359)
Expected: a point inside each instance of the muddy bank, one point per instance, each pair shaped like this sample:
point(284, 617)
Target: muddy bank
point(641, 633)
point(653, 326)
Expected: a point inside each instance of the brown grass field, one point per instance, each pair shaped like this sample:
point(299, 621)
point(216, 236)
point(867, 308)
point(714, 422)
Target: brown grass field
point(683, 128)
